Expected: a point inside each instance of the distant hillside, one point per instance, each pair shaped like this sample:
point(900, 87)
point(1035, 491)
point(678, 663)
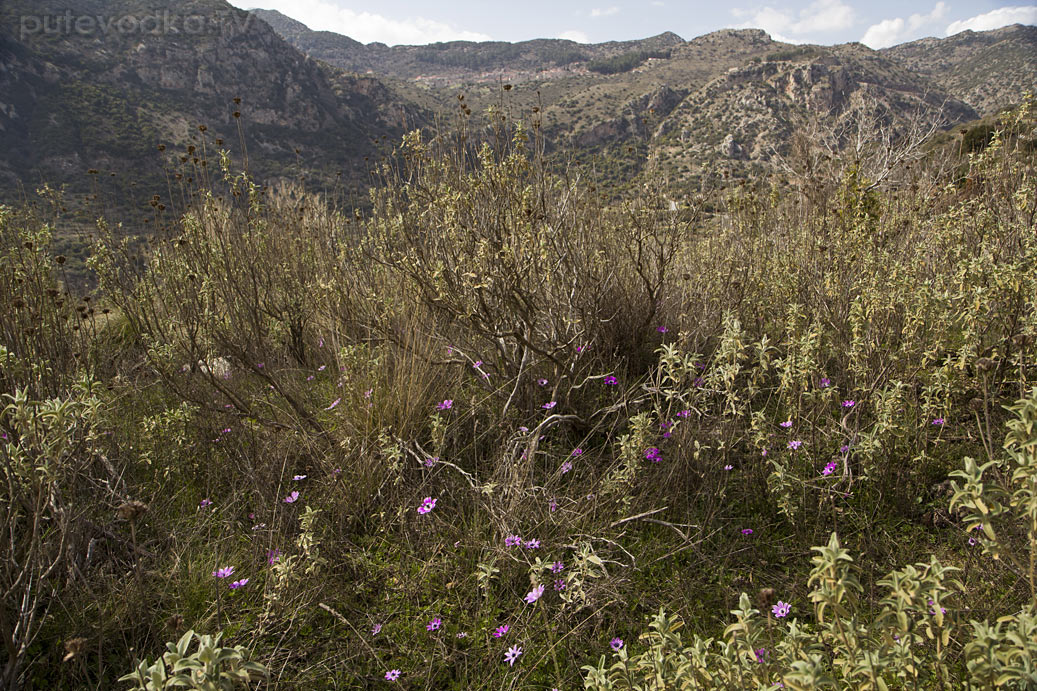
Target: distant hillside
point(106, 100)
point(988, 70)
point(752, 112)
point(729, 100)
point(318, 104)
point(461, 61)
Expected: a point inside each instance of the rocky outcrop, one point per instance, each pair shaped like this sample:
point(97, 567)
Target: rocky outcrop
point(109, 99)
point(988, 70)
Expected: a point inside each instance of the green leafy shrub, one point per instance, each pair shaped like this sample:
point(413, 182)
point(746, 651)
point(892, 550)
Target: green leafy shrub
point(209, 667)
point(916, 638)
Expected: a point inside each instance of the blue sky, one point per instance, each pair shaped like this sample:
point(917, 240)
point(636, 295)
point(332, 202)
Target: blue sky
point(879, 23)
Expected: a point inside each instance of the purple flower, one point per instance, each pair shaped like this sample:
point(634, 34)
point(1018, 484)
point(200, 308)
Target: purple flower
point(549, 405)
point(367, 394)
point(392, 675)
point(309, 378)
point(787, 424)
point(552, 506)
point(849, 403)
point(939, 422)
point(239, 584)
point(376, 629)
point(829, 468)
point(825, 382)
point(224, 572)
point(512, 655)
point(534, 594)
point(616, 644)
point(429, 462)
point(684, 413)
point(272, 556)
point(747, 531)
point(933, 611)
point(532, 544)
point(557, 567)
point(434, 624)
point(652, 454)
point(661, 329)
point(542, 382)
point(478, 363)
point(611, 381)
point(290, 499)
point(559, 584)
point(427, 504)
point(204, 502)
point(512, 541)
point(781, 609)
point(795, 444)
point(299, 477)
point(729, 467)
point(462, 634)
point(501, 630)
point(334, 403)
point(844, 448)
point(761, 655)
point(577, 452)
point(566, 467)
point(447, 404)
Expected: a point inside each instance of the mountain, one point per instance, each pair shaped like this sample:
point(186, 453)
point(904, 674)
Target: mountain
point(322, 105)
point(105, 96)
point(727, 102)
point(748, 116)
point(457, 62)
point(988, 69)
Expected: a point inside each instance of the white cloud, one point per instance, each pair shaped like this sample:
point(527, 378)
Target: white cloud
point(819, 16)
point(366, 27)
point(573, 35)
point(995, 19)
point(608, 11)
point(890, 32)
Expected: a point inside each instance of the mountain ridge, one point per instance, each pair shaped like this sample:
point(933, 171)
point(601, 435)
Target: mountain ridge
point(108, 100)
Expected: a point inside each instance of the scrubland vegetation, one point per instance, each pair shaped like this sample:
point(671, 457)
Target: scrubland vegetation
point(498, 430)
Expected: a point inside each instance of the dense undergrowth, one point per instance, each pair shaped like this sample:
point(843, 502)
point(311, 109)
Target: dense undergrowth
point(499, 432)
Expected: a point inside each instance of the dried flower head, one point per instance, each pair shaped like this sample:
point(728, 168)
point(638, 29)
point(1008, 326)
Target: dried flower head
point(132, 510)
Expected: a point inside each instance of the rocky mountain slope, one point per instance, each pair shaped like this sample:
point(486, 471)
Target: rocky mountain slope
point(726, 102)
point(750, 114)
point(456, 62)
point(316, 103)
point(106, 98)
point(988, 69)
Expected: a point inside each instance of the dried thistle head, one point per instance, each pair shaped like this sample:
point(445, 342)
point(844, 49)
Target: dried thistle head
point(132, 510)
point(74, 647)
point(765, 596)
point(985, 364)
point(175, 622)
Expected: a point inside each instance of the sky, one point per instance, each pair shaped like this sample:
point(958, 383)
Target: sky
point(878, 23)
